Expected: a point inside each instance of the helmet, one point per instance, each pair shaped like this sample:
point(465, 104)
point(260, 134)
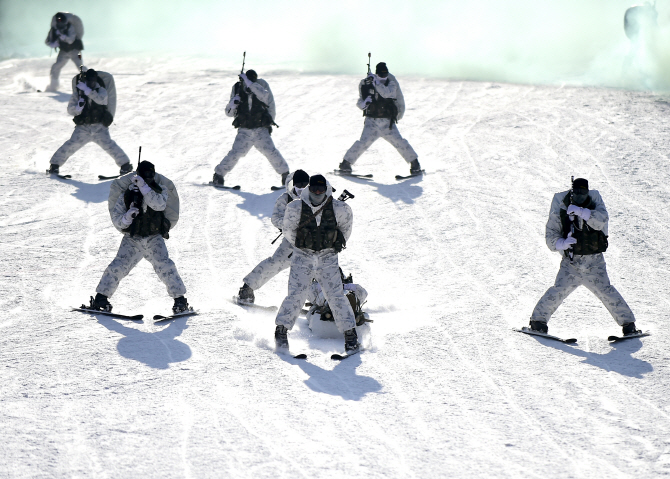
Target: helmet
point(61, 19)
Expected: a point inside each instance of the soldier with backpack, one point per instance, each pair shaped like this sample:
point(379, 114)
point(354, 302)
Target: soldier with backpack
point(65, 34)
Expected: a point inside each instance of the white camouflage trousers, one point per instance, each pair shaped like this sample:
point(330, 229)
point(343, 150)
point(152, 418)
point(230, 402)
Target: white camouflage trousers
point(589, 271)
point(61, 60)
point(83, 134)
point(373, 129)
point(245, 139)
point(324, 267)
point(131, 252)
point(270, 267)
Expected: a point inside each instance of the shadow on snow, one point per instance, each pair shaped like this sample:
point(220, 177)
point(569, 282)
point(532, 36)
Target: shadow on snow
point(405, 190)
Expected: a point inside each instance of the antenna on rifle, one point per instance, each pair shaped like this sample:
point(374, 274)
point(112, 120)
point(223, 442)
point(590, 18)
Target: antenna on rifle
point(244, 58)
point(138, 158)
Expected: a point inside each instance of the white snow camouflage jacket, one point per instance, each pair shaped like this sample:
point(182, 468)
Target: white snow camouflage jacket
point(157, 202)
point(261, 89)
point(554, 230)
point(391, 91)
point(281, 203)
point(343, 215)
point(99, 96)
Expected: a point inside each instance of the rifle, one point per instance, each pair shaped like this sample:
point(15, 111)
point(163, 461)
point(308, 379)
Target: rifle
point(238, 85)
point(367, 89)
point(343, 197)
point(369, 55)
point(571, 252)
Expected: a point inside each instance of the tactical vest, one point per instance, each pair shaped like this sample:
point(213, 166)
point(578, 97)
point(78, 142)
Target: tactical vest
point(94, 112)
point(77, 44)
point(255, 117)
point(380, 107)
point(589, 240)
point(149, 222)
point(319, 237)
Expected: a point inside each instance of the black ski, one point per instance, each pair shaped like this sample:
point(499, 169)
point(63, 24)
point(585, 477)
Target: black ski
point(222, 187)
point(640, 334)
point(159, 318)
point(340, 357)
point(236, 300)
point(353, 175)
point(62, 177)
point(102, 177)
point(300, 356)
point(84, 309)
point(412, 175)
point(543, 335)
point(277, 188)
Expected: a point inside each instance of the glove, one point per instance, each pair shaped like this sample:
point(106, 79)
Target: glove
point(80, 105)
point(583, 213)
point(234, 101)
point(564, 243)
point(83, 87)
point(370, 78)
point(141, 184)
point(246, 81)
point(130, 215)
point(62, 37)
point(367, 102)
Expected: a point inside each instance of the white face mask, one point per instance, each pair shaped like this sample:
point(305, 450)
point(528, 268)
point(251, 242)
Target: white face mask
point(298, 191)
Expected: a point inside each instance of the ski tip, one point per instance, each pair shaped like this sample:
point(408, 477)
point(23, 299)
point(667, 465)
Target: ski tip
point(277, 188)
point(300, 356)
point(337, 357)
point(570, 341)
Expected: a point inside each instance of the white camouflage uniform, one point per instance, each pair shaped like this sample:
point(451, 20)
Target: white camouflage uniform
point(585, 270)
point(322, 266)
point(132, 250)
point(68, 37)
point(374, 128)
point(258, 137)
point(281, 258)
point(83, 134)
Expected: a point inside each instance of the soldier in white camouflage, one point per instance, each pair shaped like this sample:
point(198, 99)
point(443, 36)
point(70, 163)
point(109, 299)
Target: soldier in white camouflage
point(577, 228)
point(280, 260)
point(138, 214)
point(318, 227)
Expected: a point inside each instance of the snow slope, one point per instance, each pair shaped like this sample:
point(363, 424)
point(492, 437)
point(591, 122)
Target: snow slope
point(452, 262)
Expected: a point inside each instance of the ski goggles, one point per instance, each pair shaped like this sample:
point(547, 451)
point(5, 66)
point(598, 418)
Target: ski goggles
point(302, 185)
point(318, 189)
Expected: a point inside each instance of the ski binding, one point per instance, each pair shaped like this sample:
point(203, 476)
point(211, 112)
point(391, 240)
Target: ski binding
point(639, 334)
point(236, 300)
point(544, 335)
point(62, 177)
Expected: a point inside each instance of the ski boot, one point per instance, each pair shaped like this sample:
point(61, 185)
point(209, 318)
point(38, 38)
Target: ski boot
point(180, 305)
point(629, 328)
point(539, 326)
point(100, 303)
point(246, 294)
point(345, 166)
point(125, 169)
point(351, 344)
point(281, 336)
point(53, 169)
point(283, 178)
point(217, 180)
point(414, 167)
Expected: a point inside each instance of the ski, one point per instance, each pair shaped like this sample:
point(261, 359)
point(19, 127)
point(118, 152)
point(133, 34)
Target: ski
point(159, 318)
point(236, 300)
point(102, 177)
point(616, 339)
point(300, 356)
point(62, 177)
point(222, 187)
point(544, 335)
point(412, 175)
point(277, 188)
point(340, 357)
point(353, 175)
point(84, 309)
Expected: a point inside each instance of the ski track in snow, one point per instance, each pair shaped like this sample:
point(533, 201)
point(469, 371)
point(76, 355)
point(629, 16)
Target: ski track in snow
point(452, 261)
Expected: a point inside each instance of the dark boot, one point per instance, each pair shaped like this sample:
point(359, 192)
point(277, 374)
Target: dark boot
point(100, 303)
point(246, 294)
point(180, 305)
point(414, 167)
point(53, 169)
point(351, 341)
point(345, 166)
point(217, 180)
point(629, 328)
point(283, 177)
point(281, 336)
point(539, 326)
point(125, 169)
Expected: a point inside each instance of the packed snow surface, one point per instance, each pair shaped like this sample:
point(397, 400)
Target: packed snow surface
point(452, 262)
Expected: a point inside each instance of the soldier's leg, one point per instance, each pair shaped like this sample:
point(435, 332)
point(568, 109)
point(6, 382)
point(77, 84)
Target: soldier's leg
point(370, 134)
point(127, 257)
point(566, 282)
point(80, 136)
point(100, 135)
point(598, 282)
point(241, 146)
point(270, 267)
point(74, 56)
point(61, 60)
point(328, 276)
point(263, 143)
point(156, 253)
point(404, 148)
point(299, 281)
